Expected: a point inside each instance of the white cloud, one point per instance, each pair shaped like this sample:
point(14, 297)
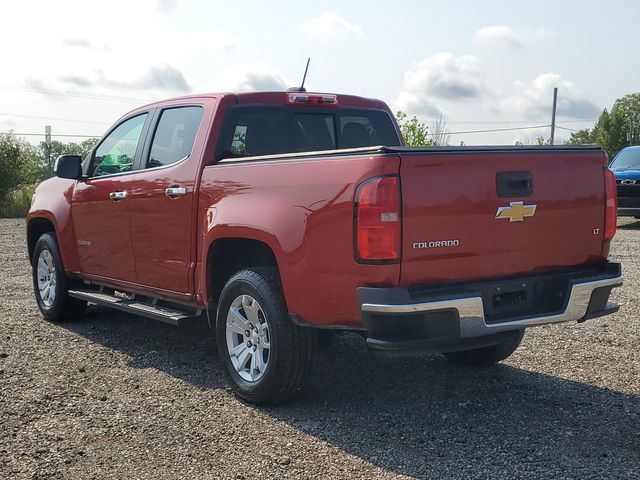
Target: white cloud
point(250, 78)
point(534, 100)
point(498, 36)
point(447, 76)
point(260, 81)
point(161, 78)
point(416, 103)
point(209, 39)
point(443, 76)
point(7, 123)
point(80, 42)
point(503, 36)
point(329, 27)
point(167, 6)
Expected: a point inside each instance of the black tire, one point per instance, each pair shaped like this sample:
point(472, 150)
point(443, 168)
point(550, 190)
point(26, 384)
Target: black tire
point(488, 355)
point(326, 339)
point(62, 307)
point(292, 348)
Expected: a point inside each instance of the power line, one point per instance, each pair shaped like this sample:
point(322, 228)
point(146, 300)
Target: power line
point(463, 122)
point(50, 91)
point(52, 118)
point(508, 122)
point(53, 135)
point(565, 128)
point(530, 127)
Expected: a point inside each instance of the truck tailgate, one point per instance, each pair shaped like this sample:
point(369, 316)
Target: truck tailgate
point(451, 200)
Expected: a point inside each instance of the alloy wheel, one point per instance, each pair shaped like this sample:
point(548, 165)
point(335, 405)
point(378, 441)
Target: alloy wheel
point(248, 339)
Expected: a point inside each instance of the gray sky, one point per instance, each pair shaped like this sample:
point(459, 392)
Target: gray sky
point(79, 65)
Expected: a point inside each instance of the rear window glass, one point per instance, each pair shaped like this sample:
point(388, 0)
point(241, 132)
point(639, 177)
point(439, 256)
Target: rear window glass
point(254, 131)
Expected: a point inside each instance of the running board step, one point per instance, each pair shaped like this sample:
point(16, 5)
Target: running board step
point(155, 312)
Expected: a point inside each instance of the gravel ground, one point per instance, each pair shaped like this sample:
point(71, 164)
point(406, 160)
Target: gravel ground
point(115, 396)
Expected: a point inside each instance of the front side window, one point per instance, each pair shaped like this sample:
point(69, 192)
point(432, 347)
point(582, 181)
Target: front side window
point(174, 136)
point(117, 152)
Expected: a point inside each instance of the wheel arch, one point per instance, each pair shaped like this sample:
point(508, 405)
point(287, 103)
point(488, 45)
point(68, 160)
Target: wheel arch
point(228, 255)
point(36, 227)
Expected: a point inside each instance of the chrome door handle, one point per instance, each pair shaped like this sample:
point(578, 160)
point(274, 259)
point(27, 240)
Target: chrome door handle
point(117, 196)
point(174, 192)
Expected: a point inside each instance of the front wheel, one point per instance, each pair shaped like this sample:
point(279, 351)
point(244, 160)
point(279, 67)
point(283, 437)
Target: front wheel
point(488, 355)
point(265, 357)
point(50, 283)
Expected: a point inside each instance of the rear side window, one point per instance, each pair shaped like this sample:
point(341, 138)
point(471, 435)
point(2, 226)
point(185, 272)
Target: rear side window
point(254, 131)
point(174, 135)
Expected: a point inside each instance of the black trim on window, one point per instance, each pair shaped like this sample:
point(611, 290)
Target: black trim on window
point(146, 145)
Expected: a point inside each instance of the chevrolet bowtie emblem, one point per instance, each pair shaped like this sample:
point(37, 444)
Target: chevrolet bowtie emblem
point(516, 211)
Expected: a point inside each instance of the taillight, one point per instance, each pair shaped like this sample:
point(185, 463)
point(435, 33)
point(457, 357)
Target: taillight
point(378, 226)
point(611, 205)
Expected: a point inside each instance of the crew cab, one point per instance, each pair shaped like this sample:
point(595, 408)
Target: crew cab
point(626, 167)
point(285, 214)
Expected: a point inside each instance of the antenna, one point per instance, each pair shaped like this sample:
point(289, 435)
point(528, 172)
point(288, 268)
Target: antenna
point(304, 77)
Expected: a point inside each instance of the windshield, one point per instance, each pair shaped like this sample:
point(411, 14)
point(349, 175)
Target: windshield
point(265, 130)
point(627, 158)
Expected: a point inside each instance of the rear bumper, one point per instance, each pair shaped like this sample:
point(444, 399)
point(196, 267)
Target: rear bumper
point(465, 316)
point(629, 206)
point(629, 211)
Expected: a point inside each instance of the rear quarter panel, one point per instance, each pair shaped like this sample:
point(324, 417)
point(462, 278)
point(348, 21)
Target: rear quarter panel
point(303, 210)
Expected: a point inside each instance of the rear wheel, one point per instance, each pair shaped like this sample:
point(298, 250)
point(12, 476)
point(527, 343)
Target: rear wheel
point(488, 355)
point(266, 358)
point(50, 283)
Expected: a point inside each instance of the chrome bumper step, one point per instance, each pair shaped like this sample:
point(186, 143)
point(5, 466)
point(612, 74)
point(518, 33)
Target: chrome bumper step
point(471, 310)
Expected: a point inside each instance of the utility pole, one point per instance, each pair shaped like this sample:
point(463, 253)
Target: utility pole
point(553, 115)
point(47, 140)
point(633, 133)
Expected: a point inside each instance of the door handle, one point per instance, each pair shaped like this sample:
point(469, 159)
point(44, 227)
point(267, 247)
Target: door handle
point(175, 192)
point(117, 196)
point(514, 184)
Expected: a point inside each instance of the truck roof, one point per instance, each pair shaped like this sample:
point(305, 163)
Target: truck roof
point(275, 98)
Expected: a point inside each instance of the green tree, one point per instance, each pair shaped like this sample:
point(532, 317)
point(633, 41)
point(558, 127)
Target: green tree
point(612, 131)
point(414, 132)
point(61, 148)
point(583, 137)
point(628, 107)
point(616, 129)
point(19, 163)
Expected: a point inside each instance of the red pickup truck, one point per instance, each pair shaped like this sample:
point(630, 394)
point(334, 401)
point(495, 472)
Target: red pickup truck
point(281, 214)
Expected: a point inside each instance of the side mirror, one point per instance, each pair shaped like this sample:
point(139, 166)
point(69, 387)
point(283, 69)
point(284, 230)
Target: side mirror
point(69, 166)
